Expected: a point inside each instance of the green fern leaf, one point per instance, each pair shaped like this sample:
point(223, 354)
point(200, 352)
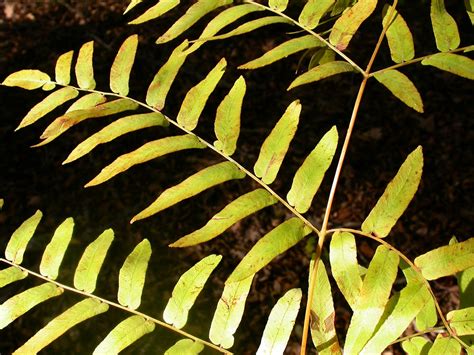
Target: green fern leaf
point(321, 72)
point(444, 27)
point(158, 10)
point(84, 67)
point(428, 316)
point(147, 152)
point(399, 37)
point(238, 209)
point(10, 275)
point(197, 11)
point(276, 145)
point(132, 275)
point(85, 277)
point(462, 321)
point(1, 203)
point(51, 102)
point(347, 25)
point(452, 63)
point(401, 87)
point(344, 266)
point(323, 331)
point(411, 300)
point(396, 197)
point(21, 237)
point(54, 253)
point(193, 185)
point(122, 66)
point(280, 323)
point(187, 289)
point(278, 5)
point(63, 68)
point(161, 84)
point(222, 20)
point(131, 5)
point(310, 174)
point(185, 347)
point(340, 6)
point(416, 346)
point(117, 129)
point(285, 49)
point(446, 260)
point(29, 79)
point(313, 11)
point(21, 303)
point(322, 56)
point(470, 9)
point(466, 291)
point(196, 98)
point(229, 312)
point(87, 101)
point(274, 243)
point(62, 124)
point(78, 313)
point(444, 345)
point(227, 123)
point(373, 297)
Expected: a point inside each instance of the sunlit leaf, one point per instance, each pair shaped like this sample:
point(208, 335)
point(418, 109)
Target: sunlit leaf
point(462, 321)
point(185, 347)
point(280, 323)
point(78, 313)
point(187, 289)
point(157, 10)
point(313, 11)
point(84, 67)
point(402, 87)
point(274, 243)
point(320, 72)
point(276, 145)
point(21, 303)
point(428, 316)
point(396, 197)
point(193, 185)
point(444, 345)
point(446, 260)
point(310, 174)
point(227, 123)
point(19, 240)
point(399, 37)
point(124, 334)
point(444, 27)
point(340, 6)
point(410, 302)
point(223, 19)
point(10, 275)
point(238, 209)
point(131, 5)
point(122, 66)
point(229, 312)
point(63, 68)
point(52, 101)
point(196, 98)
point(2, 202)
point(466, 287)
point(85, 277)
point(372, 299)
point(197, 11)
point(323, 331)
point(29, 79)
point(278, 5)
point(283, 50)
point(416, 346)
point(470, 9)
point(349, 22)
point(452, 63)
point(344, 266)
point(161, 84)
point(54, 252)
point(116, 129)
point(88, 101)
point(132, 275)
point(62, 124)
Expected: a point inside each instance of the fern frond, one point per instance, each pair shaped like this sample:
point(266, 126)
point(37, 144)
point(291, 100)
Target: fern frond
point(63, 68)
point(322, 71)
point(452, 63)
point(399, 37)
point(313, 11)
point(185, 346)
point(157, 10)
point(122, 66)
point(85, 67)
point(444, 27)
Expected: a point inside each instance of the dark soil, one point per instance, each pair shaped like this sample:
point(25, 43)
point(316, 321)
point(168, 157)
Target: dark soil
point(33, 34)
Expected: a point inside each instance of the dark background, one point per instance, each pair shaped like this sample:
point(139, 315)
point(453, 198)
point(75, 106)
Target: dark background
point(34, 34)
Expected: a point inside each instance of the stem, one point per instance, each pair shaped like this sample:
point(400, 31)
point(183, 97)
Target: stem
point(318, 36)
point(426, 331)
point(116, 305)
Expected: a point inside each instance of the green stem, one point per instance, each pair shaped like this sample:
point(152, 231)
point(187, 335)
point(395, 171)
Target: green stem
point(119, 306)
